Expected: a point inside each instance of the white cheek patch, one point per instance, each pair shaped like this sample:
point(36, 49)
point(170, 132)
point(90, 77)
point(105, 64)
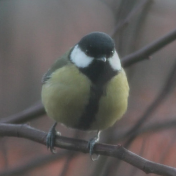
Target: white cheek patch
point(79, 58)
point(114, 62)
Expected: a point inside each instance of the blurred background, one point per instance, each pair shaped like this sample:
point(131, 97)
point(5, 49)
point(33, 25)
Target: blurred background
point(33, 34)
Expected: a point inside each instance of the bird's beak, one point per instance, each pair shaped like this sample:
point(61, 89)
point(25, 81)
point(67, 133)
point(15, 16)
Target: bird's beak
point(102, 59)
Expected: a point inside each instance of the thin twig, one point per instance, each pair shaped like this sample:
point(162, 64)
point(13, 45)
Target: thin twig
point(28, 114)
point(116, 151)
point(154, 127)
point(170, 83)
point(148, 50)
point(132, 14)
point(170, 144)
point(142, 150)
point(66, 165)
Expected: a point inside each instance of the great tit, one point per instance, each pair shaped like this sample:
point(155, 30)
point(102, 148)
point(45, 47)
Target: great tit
point(86, 88)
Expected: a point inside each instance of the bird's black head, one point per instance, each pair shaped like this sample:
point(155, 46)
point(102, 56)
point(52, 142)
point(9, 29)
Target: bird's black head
point(97, 45)
point(96, 57)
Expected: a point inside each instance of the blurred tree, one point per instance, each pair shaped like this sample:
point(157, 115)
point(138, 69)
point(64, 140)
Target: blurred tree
point(35, 33)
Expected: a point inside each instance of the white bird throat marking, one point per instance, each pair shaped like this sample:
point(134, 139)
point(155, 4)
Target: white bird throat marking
point(79, 58)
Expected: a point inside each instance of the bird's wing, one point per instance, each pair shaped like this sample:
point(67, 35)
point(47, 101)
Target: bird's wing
point(62, 61)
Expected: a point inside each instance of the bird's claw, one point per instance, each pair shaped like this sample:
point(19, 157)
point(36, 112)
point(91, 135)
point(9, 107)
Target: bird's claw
point(91, 145)
point(50, 138)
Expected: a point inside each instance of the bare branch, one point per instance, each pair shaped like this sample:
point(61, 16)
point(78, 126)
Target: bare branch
point(67, 165)
point(170, 83)
point(28, 114)
point(154, 127)
point(116, 151)
point(148, 50)
point(142, 150)
point(126, 21)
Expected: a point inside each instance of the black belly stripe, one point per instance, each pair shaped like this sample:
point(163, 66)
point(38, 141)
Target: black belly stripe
point(99, 74)
point(88, 116)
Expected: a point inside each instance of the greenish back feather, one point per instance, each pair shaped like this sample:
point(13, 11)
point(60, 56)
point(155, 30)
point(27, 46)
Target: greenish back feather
point(59, 63)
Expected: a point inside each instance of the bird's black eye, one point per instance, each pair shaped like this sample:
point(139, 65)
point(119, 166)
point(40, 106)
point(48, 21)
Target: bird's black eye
point(110, 54)
point(87, 52)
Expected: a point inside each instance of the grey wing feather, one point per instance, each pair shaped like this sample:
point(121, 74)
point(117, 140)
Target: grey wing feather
point(64, 60)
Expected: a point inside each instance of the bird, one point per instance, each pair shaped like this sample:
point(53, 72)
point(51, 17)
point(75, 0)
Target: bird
point(86, 88)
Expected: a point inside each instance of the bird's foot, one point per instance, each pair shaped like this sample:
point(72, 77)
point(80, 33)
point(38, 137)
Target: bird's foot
point(50, 138)
point(91, 145)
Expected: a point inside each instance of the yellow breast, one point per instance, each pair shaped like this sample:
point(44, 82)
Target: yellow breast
point(66, 94)
point(113, 103)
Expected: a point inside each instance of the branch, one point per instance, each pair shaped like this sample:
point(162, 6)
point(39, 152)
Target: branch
point(67, 164)
point(28, 114)
point(132, 13)
point(43, 160)
point(168, 87)
point(148, 50)
point(116, 151)
point(153, 127)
